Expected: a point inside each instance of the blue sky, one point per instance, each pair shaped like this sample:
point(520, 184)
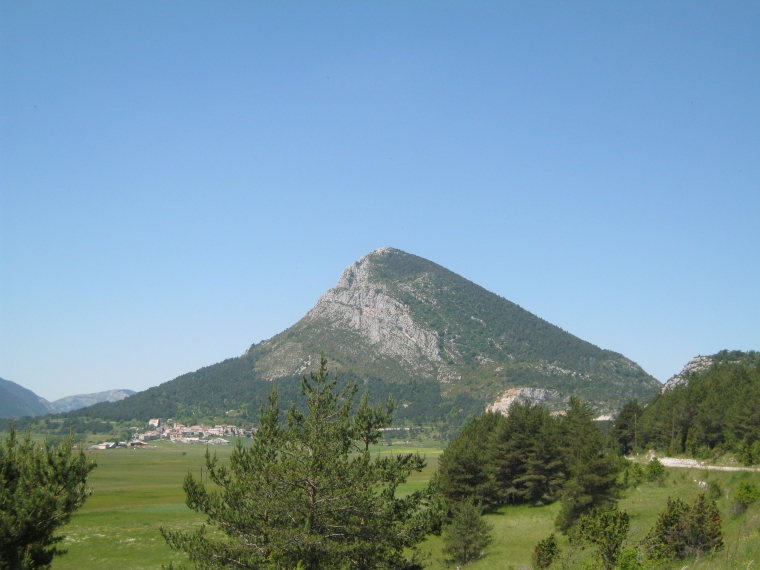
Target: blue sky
point(179, 180)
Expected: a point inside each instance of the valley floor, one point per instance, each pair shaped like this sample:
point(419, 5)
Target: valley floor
point(137, 491)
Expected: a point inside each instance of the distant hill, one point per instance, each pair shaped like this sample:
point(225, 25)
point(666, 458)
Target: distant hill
point(711, 407)
point(17, 401)
point(404, 325)
point(83, 400)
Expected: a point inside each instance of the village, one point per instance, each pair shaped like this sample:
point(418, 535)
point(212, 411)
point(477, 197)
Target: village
point(179, 433)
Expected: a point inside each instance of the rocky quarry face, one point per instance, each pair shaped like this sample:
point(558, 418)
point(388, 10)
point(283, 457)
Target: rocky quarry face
point(550, 399)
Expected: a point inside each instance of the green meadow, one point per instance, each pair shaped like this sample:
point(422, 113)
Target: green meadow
point(137, 491)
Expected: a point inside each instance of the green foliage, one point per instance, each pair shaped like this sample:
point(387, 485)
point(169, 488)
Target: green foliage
point(750, 452)
point(655, 471)
point(40, 487)
point(716, 410)
point(629, 559)
point(594, 473)
point(308, 492)
point(684, 530)
point(468, 535)
point(528, 460)
point(633, 475)
point(514, 459)
point(746, 494)
point(714, 490)
point(465, 467)
point(625, 427)
point(546, 551)
point(606, 530)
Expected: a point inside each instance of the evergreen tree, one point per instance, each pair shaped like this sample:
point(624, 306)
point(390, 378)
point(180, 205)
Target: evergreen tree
point(593, 483)
point(466, 467)
point(543, 473)
point(40, 487)
point(625, 427)
point(309, 495)
point(605, 529)
point(468, 534)
point(685, 530)
point(545, 553)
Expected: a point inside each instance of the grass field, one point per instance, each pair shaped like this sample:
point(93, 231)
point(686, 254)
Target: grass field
point(136, 491)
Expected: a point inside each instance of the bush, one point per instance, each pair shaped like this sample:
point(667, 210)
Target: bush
point(605, 529)
point(714, 490)
point(745, 495)
point(629, 559)
point(684, 530)
point(545, 553)
point(655, 472)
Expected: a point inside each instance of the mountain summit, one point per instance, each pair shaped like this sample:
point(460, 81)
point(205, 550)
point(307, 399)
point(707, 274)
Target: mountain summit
point(404, 325)
point(400, 317)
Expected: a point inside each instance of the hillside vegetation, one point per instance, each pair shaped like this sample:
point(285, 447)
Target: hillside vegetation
point(714, 412)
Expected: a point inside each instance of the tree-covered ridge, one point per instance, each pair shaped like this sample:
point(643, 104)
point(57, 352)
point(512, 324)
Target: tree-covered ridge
point(714, 412)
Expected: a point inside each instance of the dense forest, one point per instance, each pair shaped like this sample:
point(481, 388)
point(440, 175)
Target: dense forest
point(714, 412)
point(530, 456)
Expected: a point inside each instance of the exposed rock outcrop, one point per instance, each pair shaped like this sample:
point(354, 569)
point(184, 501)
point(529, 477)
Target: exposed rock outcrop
point(695, 365)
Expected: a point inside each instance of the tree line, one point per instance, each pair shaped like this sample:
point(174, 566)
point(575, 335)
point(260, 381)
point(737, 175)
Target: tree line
point(712, 413)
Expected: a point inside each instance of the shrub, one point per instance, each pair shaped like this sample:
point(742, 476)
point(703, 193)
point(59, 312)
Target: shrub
point(605, 529)
point(684, 530)
point(655, 471)
point(714, 490)
point(745, 495)
point(629, 559)
point(545, 553)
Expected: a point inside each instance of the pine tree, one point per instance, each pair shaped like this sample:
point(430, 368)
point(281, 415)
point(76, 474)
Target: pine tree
point(685, 530)
point(308, 494)
point(625, 428)
point(593, 483)
point(40, 487)
point(466, 467)
point(545, 552)
point(607, 530)
point(468, 535)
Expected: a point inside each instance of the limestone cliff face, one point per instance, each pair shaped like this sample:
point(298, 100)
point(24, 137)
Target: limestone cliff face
point(358, 320)
point(362, 305)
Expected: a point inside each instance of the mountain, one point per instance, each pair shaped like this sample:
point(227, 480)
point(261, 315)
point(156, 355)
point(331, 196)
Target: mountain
point(17, 401)
point(404, 325)
point(83, 400)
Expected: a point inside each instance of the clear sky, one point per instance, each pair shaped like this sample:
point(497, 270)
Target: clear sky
point(179, 180)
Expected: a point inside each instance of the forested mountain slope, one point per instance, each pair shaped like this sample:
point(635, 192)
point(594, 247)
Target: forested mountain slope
point(714, 409)
point(17, 401)
point(402, 324)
